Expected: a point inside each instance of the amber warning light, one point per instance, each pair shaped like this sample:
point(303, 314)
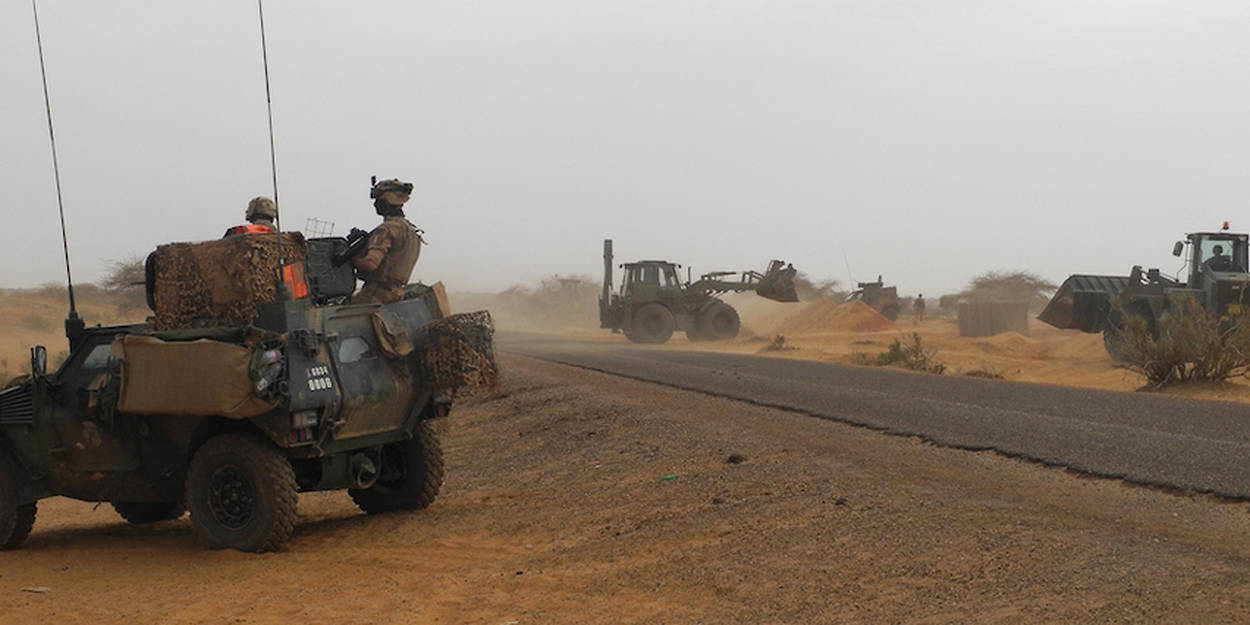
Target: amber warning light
point(1226, 225)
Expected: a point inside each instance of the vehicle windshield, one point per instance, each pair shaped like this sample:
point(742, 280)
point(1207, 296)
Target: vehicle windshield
point(1222, 254)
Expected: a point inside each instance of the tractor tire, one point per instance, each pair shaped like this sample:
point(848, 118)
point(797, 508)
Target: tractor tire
point(890, 312)
point(16, 520)
point(144, 512)
point(411, 475)
point(242, 494)
point(654, 324)
point(719, 322)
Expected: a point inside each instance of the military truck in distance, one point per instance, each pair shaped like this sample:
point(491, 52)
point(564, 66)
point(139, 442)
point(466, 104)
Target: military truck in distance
point(653, 302)
point(232, 421)
point(1217, 279)
point(881, 298)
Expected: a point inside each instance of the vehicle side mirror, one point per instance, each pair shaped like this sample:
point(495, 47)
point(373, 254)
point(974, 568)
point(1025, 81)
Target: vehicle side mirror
point(38, 361)
point(1178, 248)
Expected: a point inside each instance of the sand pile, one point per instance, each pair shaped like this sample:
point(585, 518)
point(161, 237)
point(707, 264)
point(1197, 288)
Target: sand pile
point(1011, 344)
point(819, 317)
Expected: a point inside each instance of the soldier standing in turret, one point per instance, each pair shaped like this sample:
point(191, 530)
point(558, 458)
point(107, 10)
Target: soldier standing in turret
point(386, 263)
point(260, 215)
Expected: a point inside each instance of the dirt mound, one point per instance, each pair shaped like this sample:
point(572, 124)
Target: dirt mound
point(819, 317)
point(1010, 344)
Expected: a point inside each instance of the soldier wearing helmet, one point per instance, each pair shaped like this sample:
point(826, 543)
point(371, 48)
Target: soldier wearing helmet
point(394, 246)
point(261, 212)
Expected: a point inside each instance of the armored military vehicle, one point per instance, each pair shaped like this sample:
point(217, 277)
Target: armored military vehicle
point(255, 379)
point(653, 302)
point(1217, 280)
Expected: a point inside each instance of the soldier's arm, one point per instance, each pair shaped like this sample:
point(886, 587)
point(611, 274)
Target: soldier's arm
point(379, 244)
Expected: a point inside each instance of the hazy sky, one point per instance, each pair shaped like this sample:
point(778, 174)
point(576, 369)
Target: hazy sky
point(925, 140)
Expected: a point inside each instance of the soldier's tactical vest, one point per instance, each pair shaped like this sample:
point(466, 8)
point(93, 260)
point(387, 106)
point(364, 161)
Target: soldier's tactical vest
point(396, 266)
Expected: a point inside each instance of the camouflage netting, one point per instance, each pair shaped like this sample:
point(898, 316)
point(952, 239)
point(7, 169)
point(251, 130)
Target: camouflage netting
point(460, 355)
point(220, 282)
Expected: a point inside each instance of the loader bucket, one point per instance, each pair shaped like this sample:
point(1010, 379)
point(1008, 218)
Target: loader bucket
point(778, 283)
point(1083, 302)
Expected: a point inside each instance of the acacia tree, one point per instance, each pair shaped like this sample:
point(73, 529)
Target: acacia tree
point(124, 281)
point(1009, 286)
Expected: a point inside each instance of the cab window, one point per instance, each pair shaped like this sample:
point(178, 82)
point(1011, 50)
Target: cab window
point(98, 357)
point(1223, 254)
point(670, 277)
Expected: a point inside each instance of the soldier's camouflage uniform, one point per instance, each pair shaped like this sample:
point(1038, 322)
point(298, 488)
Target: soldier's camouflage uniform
point(387, 262)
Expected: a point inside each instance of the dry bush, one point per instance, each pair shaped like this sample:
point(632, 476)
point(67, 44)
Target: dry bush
point(1191, 345)
point(908, 353)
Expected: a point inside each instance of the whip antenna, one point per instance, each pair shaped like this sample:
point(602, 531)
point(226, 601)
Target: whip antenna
point(56, 171)
point(273, 154)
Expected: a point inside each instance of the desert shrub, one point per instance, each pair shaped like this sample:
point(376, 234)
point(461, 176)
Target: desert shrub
point(908, 353)
point(1188, 344)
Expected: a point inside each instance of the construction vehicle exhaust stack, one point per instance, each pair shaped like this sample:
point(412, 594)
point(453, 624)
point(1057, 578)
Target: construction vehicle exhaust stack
point(653, 302)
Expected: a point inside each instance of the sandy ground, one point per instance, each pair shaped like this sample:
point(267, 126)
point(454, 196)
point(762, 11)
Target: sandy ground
point(577, 497)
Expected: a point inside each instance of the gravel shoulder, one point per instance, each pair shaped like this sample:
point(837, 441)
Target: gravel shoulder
point(579, 497)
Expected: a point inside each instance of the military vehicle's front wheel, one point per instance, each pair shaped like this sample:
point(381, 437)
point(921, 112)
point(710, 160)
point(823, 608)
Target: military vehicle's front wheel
point(242, 493)
point(411, 475)
point(16, 520)
point(652, 323)
point(142, 512)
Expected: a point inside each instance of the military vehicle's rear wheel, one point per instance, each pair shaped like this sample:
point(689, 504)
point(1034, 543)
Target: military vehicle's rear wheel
point(16, 520)
point(653, 323)
point(411, 475)
point(242, 493)
point(890, 312)
point(719, 322)
point(142, 512)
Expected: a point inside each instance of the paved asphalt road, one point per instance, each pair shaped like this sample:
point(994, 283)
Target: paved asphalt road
point(1147, 439)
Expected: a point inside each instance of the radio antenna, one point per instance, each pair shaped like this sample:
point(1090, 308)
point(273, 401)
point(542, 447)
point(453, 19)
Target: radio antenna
point(273, 153)
point(73, 325)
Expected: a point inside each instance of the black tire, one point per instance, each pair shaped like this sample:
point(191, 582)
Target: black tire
point(143, 512)
point(653, 323)
point(241, 493)
point(890, 312)
point(16, 520)
point(411, 475)
point(719, 322)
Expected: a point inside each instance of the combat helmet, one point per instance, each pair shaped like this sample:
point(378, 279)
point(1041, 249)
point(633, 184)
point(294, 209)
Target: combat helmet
point(394, 191)
point(261, 207)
